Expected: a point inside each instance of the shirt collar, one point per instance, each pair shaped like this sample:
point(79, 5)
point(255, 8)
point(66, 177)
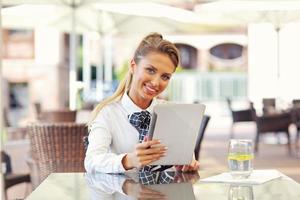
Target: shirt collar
point(131, 107)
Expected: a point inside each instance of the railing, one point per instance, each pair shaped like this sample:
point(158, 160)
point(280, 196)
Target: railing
point(207, 86)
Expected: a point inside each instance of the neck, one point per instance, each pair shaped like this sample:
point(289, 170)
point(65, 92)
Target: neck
point(139, 101)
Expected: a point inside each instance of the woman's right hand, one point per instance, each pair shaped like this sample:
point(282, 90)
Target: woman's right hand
point(145, 153)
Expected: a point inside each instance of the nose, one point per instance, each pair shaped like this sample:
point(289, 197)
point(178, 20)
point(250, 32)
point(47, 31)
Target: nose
point(155, 81)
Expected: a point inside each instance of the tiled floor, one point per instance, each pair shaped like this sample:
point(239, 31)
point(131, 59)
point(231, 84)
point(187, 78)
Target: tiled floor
point(212, 156)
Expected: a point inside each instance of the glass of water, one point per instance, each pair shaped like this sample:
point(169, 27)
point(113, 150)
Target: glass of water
point(240, 158)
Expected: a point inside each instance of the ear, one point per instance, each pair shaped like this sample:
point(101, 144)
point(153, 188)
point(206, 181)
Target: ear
point(132, 66)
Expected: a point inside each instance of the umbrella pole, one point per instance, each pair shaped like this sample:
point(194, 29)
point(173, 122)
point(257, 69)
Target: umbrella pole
point(1, 108)
point(72, 62)
point(277, 29)
point(86, 67)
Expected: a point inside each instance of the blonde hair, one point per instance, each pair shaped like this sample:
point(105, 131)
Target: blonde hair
point(153, 42)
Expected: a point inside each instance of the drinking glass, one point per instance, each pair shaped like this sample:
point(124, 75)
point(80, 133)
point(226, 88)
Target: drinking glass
point(240, 158)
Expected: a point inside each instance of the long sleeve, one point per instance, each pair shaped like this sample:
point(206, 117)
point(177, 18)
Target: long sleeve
point(99, 157)
point(111, 137)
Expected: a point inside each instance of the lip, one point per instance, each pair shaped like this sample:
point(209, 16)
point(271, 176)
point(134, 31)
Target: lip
point(150, 90)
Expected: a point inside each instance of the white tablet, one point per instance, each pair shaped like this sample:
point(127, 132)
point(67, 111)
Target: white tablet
point(177, 126)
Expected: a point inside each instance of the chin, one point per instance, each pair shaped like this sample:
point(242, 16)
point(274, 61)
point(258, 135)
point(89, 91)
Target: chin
point(149, 96)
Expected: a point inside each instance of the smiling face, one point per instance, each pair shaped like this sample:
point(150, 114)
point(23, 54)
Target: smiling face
point(150, 77)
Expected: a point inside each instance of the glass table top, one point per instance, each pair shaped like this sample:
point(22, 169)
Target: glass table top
point(159, 185)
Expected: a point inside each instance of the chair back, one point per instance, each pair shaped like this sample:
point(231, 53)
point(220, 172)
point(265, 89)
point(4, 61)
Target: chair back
point(57, 147)
point(5, 159)
point(200, 136)
point(57, 116)
point(296, 116)
point(273, 123)
point(85, 141)
point(245, 115)
point(269, 105)
point(296, 103)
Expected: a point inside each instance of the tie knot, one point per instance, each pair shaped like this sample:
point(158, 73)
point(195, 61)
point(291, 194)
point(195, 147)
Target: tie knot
point(140, 119)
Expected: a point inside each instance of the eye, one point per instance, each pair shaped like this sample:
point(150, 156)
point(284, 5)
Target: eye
point(166, 77)
point(150, 70)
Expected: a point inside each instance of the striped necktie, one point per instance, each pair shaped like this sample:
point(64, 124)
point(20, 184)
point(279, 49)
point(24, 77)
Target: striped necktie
point(141, 121)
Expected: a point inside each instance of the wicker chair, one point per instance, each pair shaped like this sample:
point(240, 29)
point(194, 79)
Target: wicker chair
point(57, 116)
point(56, 147)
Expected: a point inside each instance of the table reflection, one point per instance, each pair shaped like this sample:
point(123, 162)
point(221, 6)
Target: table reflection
point(144, 185)
point(240, 192)
point(164, 185)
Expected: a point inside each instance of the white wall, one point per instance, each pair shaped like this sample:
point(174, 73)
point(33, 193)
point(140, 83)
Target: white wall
point(290, 62)
point(47, 46)
point(262, 62)
point(266, 79)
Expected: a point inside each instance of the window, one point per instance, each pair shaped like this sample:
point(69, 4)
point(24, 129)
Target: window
point(188, 56)
point(18, 44)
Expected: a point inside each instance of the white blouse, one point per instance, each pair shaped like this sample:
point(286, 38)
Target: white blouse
point(112, 136)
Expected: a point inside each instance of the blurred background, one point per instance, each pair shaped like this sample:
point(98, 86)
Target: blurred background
point(68, 55)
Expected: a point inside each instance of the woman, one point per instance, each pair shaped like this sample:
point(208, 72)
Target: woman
point(116, 144)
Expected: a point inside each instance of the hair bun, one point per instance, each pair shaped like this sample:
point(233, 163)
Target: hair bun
point(153, 36)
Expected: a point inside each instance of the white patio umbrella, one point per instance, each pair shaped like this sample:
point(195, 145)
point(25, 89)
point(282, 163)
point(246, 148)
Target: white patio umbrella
point(277, 12)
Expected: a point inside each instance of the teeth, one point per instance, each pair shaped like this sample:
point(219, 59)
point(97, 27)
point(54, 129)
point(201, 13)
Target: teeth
point(152, 90)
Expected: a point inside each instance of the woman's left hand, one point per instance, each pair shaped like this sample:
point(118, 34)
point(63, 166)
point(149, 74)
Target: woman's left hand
point(194, 166)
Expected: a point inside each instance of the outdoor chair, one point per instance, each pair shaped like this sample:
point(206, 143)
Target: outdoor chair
point(56, 147)
point(57, 116)
point(200, 136)
point(10, 178)
point(296, 120)
point(245, 115)
point(275, 123)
